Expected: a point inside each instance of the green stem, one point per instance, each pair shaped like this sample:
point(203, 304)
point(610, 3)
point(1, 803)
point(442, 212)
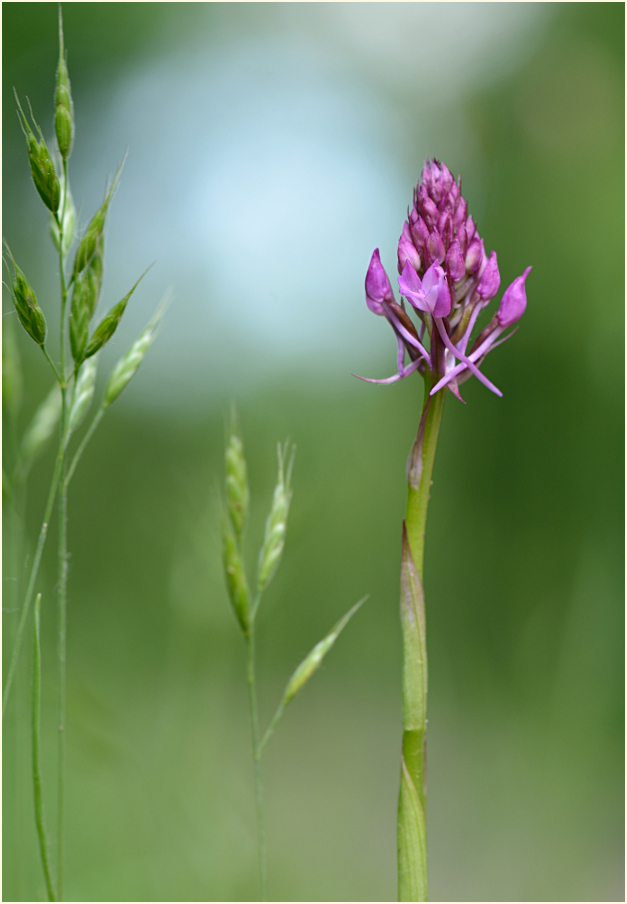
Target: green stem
point(254, 719)
point(423, 455)
point(37, 783)
point(52, 365)
point(412, 820)
point(62, 609)
point(62, 565)
point(271, 727)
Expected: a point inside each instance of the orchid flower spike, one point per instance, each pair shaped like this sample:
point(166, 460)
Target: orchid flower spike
point(447, 278)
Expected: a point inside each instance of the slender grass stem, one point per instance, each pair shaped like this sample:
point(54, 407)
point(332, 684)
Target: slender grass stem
point(62, 627)
point(412, 822)
point(37, 780)
point(62, 566)
point(52, 365)
point(254, 719)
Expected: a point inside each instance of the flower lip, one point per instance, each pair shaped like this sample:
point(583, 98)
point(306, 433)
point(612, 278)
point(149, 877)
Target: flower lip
point(431, 294)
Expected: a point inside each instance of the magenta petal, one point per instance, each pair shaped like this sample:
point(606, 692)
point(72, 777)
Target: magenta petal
point(475, 370)
point(490, 279)
point(378, 288)
point(513, 302)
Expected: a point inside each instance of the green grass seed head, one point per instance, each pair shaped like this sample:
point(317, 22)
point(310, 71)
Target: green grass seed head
point(28, 311)
point(276, 524)
point(64, 108)
point(127, 366)
point(235, 575)
point(237, 492)
point(41, 165)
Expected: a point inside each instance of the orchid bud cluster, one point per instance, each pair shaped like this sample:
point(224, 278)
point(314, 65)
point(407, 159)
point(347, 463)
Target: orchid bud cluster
point(448, 279)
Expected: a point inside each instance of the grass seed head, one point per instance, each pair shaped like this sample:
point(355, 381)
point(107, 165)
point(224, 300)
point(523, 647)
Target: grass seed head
point(64, 108)
point(235, 575)
point(276, 524)
point(127, 366)
point(30, 314)
point(91, 241)
point(41, 165)
point(109, 324)
point(237, 492)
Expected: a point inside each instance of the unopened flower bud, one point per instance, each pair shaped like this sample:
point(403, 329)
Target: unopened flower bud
point(445, 227)
point(429, 210)
point(459, 218)
point(418, 229)
point(455, 261)
point(474, 256)
point(514, 302)
point(462, 237)
point(407, 250)
point(436, 247)
point(378, 288)
point(490, 279)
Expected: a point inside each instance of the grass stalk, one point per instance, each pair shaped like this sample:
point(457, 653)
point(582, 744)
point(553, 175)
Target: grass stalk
point(254, 720)
point(37, 775)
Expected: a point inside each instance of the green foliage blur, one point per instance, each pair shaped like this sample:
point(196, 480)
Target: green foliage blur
point(523, 565)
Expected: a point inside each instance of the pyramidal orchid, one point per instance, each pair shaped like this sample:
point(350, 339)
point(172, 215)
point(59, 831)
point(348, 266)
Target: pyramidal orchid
point(445, 280)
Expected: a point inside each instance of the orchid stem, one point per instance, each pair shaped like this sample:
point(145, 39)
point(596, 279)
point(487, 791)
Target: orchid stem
point(412, 816)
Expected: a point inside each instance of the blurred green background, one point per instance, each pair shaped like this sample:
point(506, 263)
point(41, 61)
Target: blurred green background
point(271, 148)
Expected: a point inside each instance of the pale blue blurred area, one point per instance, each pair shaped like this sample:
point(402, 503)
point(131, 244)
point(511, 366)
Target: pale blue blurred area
point(266, 164)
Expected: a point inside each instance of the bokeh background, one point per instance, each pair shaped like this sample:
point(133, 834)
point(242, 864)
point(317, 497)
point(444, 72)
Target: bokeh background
point(271, 147)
